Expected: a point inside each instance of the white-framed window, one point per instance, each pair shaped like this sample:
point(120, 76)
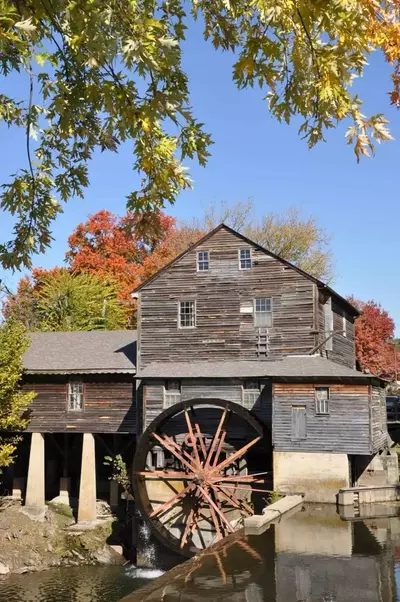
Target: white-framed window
point(75, 395)
point(245, 259)
point(263, 312)
point(187, 314)
point(322, 400)
point(250, 393)
point(172, 392)
point(203, 261)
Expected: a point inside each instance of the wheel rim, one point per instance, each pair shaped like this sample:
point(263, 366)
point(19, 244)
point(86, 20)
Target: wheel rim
point(198, 495)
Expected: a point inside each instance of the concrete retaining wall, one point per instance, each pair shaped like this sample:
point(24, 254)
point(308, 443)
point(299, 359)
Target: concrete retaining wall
point(259, 522)
point(368, 495)
point(318, 476)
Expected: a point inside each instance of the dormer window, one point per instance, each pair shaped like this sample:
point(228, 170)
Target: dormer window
point(75, 395)
point(245, 259)
point(202, 261)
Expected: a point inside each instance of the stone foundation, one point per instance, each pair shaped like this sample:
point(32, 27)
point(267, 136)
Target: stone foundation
point(318, 476)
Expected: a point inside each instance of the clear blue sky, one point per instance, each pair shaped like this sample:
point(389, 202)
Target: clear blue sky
point(254, 156)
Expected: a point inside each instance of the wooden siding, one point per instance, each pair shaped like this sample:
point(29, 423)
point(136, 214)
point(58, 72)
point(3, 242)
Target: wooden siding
point(345, 429)
point(343, 347)
point(199, 389)
point(224, 303)
point(379, 433)
point(109, 405)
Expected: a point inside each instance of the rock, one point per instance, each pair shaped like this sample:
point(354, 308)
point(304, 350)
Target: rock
point(4, 569)
point(103, 509)
point(49, 547)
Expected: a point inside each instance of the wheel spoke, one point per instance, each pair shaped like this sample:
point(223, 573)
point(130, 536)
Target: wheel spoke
point(217, 510)
point(215, 440)
point(163, 474)
point(171, 502)
point(238, 454)
point(187, 527)
point(218, 452)
point(193, 438)
point(237, 503)
point(202, 444)
point(249, 489)
point(215, 521)
point(166, 443)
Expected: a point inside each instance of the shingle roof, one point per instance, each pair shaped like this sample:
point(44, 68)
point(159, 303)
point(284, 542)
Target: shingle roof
point(287, 368)
point(82, 352)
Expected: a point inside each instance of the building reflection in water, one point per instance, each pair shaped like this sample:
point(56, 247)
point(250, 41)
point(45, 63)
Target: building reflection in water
point(311, 556)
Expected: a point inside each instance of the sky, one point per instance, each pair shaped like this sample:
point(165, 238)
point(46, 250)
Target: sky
point(256, 157)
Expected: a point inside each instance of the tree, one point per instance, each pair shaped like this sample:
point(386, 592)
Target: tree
point(58, 300)
point(13, 401)
point(99, 74)
point(374, 331)
point(112, 247)
point(300, 240)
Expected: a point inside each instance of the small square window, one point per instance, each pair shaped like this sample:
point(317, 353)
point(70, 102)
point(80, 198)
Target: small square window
point(251, 393)
point(203, 261)
point(75, 395)
point(187, 314)
point(263, 312)
point(245, 259)
point(322, 400)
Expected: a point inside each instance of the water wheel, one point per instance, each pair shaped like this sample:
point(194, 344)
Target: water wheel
point(191, 475)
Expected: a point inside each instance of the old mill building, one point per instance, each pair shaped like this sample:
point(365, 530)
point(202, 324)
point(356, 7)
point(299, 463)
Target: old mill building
point(228, 321)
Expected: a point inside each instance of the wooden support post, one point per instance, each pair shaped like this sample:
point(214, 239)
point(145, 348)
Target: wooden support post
point(35, 489)
point(87, 488)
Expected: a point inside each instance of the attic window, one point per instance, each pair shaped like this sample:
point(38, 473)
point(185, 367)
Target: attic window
point(245, 259)
point(75, 395)
point(203, 260)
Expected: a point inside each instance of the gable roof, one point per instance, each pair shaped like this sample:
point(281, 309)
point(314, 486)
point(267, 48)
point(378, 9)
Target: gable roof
point(81, 352)
point(321, 285)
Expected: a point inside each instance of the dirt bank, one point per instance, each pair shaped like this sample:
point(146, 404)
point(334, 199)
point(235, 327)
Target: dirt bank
point(27, 545)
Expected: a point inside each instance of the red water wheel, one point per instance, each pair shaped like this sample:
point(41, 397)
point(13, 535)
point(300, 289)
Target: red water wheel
point(191, 478)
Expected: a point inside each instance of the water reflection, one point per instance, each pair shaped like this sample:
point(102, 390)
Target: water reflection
point(75, 584)
point(311, 556)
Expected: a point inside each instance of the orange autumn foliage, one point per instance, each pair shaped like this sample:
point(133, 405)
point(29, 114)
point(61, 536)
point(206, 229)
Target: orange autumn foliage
point(374, 330)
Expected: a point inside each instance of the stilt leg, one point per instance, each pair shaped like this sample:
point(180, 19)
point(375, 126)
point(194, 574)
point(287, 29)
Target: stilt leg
point(87, 487)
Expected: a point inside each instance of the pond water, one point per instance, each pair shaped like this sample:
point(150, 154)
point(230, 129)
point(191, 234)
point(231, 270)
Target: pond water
point(311, 556)
point(75, 584)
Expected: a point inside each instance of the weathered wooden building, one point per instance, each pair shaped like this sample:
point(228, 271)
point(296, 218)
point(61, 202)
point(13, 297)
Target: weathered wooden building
point(229, 321)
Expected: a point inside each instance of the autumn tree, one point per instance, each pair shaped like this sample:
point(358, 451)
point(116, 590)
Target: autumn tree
point(58, 300)
point(13, 401)
point(102, 74)
point(289, 234)
point(114, 247)
point(374, 331)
